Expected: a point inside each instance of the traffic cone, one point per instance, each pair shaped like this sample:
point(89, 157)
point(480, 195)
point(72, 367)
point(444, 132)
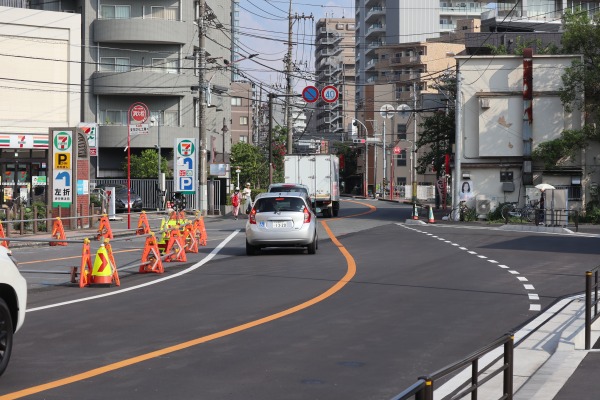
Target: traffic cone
point(58, 232)
point(85, 268)
point(104, 228)
point(415, 212)
point(102, 272)
point(2, 235)
point(143, 227)
point(190, 237)
point(431, 219)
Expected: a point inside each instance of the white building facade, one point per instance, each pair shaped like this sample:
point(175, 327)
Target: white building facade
point(494, 140)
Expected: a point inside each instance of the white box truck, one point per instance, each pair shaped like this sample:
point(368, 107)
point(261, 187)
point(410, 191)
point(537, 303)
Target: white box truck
point(321, 173)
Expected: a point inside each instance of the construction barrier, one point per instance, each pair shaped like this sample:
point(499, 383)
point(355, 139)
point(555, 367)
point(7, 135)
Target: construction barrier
point(151, 259)
point(104, 230)
point(199, 225)
point(143, 227)
point(2, 236)
point(58, 232)
point(191, 237)
point(175, 250)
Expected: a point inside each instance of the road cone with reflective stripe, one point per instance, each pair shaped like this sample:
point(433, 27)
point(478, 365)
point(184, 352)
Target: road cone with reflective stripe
point(415, 212)
point(102, 272)
point(431, 219)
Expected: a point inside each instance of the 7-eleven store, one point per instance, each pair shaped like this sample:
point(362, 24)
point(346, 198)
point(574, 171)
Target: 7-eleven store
point(23, 160)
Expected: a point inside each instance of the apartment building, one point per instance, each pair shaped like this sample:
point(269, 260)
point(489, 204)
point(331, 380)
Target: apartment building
point(243, 109)
point(334, 65)
point(132, 52)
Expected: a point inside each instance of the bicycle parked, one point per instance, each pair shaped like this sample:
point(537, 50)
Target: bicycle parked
point(462, 212)
point(511, 210)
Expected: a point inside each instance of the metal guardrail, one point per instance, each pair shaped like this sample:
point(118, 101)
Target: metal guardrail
point(591, 303)
point(424, 387)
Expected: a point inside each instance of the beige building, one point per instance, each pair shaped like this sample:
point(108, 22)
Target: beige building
point(242, 112)
point(405, 73)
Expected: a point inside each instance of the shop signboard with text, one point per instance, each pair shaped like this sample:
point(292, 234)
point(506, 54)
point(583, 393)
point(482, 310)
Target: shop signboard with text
point(62, 171)
point(186, 165)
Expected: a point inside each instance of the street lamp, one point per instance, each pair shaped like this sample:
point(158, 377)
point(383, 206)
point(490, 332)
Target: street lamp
point(237, 171)
point(366, 171)
point(156, 121)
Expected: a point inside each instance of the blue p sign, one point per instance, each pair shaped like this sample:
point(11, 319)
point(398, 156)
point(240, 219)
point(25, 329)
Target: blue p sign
point(186, 183)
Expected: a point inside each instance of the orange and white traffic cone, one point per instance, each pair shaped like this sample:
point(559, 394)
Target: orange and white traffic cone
point(415, 212)
point(431, 219)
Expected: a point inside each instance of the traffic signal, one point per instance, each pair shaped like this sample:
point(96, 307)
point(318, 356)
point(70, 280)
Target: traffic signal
point(356, 141)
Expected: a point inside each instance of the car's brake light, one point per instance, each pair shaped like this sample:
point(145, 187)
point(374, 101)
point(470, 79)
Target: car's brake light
point(306, 215)
point(252, 216)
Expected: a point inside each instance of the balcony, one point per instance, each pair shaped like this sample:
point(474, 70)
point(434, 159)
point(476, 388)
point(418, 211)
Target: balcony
point(405, 95)
point(371, 3)
point(142, 83)
point(371, 63)
point(465, 11)
point(140, 31)
point(374, 13)
point(330, 40)
point(406, 60)
point(375, 30)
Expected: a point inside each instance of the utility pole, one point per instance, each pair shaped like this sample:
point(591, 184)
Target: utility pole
point(288, 71)
point(270, 96)
point(202, 203)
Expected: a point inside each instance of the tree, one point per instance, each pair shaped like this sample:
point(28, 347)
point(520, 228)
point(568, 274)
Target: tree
point(580, 81)
point(145, 166)
point(438, 129)
point(251, 162)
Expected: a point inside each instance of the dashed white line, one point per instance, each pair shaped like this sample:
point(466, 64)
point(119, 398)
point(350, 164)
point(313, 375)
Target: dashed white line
point(531, 296)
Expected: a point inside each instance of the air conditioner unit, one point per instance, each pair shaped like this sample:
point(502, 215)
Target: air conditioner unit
point(482, 207)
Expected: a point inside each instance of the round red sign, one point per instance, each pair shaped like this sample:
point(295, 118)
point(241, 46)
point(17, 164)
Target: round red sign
point(139, 113)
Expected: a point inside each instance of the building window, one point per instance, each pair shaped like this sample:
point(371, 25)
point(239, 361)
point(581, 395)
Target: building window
point(236, 101)
point(165, 65)
point(401, 158)
point(401, 131)
point(243, 139)
point(113, 117)
point(115, 12)
point(114, 64)
point(159, 12)
point(244, 120)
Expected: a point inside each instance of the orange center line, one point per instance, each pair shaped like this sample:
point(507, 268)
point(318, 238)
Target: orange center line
point(350, 273)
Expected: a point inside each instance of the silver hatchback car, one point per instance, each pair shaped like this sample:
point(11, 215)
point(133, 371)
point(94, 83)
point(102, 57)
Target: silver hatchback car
point(281, 220)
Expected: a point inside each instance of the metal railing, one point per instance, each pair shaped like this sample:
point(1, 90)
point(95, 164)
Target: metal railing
point(424, 387)
point(591, 304)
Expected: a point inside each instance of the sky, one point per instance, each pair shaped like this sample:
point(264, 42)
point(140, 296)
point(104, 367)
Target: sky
point(264, 30)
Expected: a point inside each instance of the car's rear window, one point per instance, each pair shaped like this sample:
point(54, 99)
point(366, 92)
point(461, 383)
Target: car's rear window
point(277, 204)
point(288, 189)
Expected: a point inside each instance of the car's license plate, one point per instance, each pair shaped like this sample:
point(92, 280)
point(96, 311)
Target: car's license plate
point(279, 224)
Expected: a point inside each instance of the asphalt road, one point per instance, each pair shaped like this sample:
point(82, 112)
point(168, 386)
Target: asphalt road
point(380, 304)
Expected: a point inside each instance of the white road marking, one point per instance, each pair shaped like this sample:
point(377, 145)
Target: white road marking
point(200, 263)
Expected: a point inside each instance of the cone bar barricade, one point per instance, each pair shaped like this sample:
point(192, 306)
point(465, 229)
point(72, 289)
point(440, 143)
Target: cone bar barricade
point(191, 236)
point(199, 225)
point(431, 218)
point(151, 259)
point(175, 247)
point(143, 227)
point(85, 269)
point(104, 271)
point(58, 232)
point(4, 243)
point(104, 228)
